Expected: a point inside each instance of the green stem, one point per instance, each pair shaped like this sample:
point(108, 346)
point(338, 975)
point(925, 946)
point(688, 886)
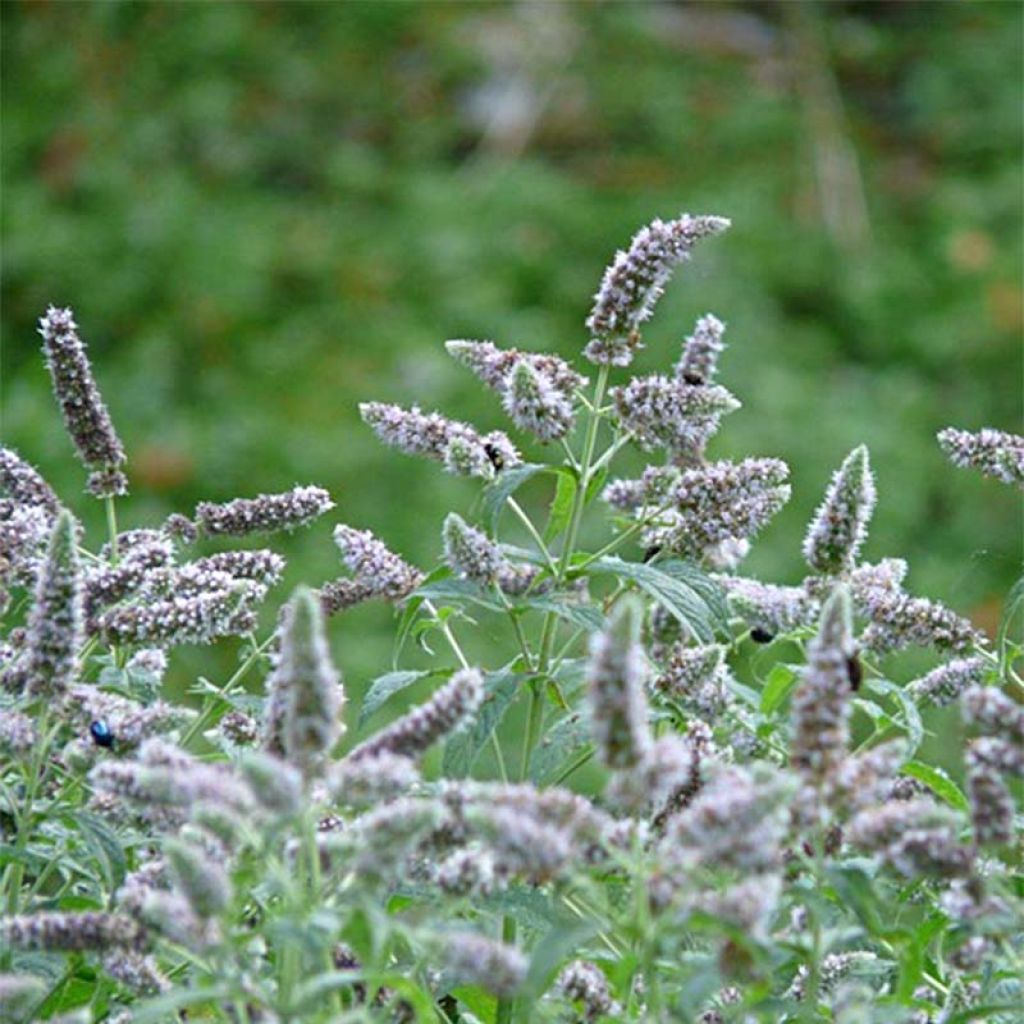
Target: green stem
point(506, 1007)
point(207, 713)
point(532, 531)
point(110, 502)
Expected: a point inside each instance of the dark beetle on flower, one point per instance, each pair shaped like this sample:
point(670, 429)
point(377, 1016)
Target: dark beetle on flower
point(101, 734)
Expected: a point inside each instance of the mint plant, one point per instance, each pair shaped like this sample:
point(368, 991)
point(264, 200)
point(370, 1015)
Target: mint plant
point(718, 807)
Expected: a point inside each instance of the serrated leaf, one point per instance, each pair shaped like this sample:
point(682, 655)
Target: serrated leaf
point(938, 782)
point(561, 504)
point(530, 907)
point(583, 616)
point(504, 486)
point(462, 749)
point(777, 687)
point(670, 585)
point(386, 686)
point(564, 741)
point(464, 591)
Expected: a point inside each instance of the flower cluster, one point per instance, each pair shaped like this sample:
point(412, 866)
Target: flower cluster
point(992, 452)
point(764, 835)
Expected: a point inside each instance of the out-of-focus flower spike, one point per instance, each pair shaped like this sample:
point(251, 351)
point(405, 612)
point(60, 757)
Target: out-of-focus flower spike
point(474, 959)
point(535, 404)
point(18, 734)
point(989, 710)
point(992, 452)
point(24, 485)
point(138, 973)
point(636, 279)
point(382, 839)
point(87, 930)
point(86, 418)
point(198, 877)
point(698, 677)
point(839, 527)
point(992, 807)
point(412, 734)
point(264, 513)
point(821, 703)
point(699, 362)
point(305, 694)
point(583, 982)
point(367, 780)
point(276, 786)
point(767, 607)
point(19, 993)
point(55, 627)
point(615, 682)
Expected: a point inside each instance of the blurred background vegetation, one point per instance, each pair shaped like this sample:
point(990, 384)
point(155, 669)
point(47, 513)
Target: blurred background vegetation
point(264, 213)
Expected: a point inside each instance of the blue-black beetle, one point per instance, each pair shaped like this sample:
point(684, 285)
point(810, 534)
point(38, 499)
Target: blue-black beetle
point(101, 734)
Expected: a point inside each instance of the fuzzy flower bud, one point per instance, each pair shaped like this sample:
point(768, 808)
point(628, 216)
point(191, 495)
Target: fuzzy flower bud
point(384, 838)
point(821, 704)
point(991, 803)
point(367, 780)
point(462, 450)
point(661, 412)
point(24, 485)
point(945, 684)
point(262, 565)
point(699, 361)
point(276, 786)
point(475, 960)
point(989, 709)
point(264, 513)
point(470, 552)
point(305, 694)
point(839, 527)
point(615, 681)
point(992, 452)
point(52, 930)
point(522, 845)
point(54, 632)
point(86, 418)
point(535, 404)
point(18, 733)
point(493, 365)
point(583, 982)
point(899, 620)
point(767, 607)
point(198, 877)
point(721, 501)
point(409, 736)
point(139, 974)
point(378, 571)
point(698, 677)
point(636, 279)
point(917, 837)
point(738, 820)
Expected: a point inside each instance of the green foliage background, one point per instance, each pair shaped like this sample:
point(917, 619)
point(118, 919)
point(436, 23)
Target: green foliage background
point(265, 213)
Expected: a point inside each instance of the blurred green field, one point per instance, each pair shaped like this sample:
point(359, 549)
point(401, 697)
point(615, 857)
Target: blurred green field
point(266, 213)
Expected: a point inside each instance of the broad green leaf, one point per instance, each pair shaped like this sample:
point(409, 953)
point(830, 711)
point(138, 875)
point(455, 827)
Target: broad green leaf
point(452, 589)
point(386, 686)
point(777, 687)
point(938, 782)
point(670, 585)
point(583, 616)
point(563, 743)
point(462, 749)
point(504, 486)
point(529, 906)
point(561, 504)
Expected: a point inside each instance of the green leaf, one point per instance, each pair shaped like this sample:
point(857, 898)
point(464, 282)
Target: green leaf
point(777, 687)
point(386, 686)
point(563, 742)
point(530, 907)
point(671, 585)
point(504, 486)
point(561, 504)
point(452, 589)
point(462, 749)
point(560, 940)
point(911, 716)
point(104, 847)
point(583, 616)
point(938, 782)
